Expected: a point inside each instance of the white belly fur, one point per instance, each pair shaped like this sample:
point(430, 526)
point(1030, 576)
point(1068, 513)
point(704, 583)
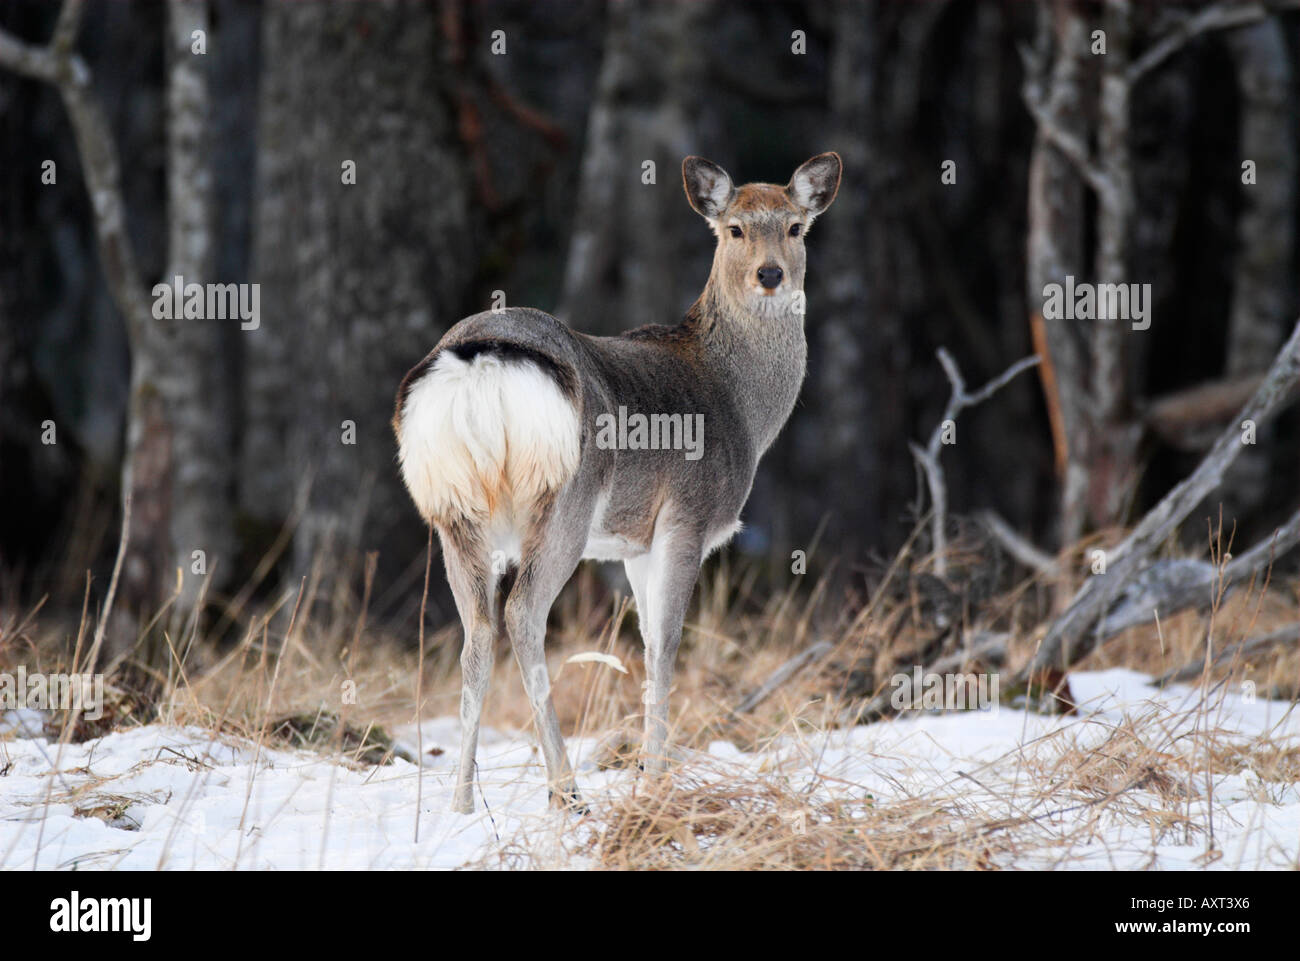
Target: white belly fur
point(602, 545)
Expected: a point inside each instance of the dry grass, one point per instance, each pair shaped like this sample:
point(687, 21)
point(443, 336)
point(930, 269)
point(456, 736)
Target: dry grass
point(329, 681)
point(762, 823)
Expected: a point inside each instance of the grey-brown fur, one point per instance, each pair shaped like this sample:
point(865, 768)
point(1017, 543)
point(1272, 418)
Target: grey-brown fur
point(737, 358)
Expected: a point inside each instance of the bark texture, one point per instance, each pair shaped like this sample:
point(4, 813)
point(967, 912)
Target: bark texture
point(358, 280)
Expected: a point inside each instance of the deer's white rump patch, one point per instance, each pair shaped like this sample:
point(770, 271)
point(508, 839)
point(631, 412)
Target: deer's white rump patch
point(485, 435)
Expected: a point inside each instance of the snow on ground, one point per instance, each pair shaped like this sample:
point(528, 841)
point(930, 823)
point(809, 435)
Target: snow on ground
point(172, 797)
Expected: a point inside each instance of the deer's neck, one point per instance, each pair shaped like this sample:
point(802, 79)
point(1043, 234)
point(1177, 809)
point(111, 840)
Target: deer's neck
point(759, 358)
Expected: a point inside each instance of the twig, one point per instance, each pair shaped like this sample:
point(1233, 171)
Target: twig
point(928, 457)
point(65, 29)
point(125, 538)
point(39, 63)
point(1072, 147)
point(1018, 547)
point(419, 692)
point(285, 649)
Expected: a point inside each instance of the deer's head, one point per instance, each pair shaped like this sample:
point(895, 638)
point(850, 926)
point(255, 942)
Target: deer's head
point(759, 262)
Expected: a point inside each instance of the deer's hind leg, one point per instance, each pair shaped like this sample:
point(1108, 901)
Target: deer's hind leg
point(551, 550)
point(474, 586)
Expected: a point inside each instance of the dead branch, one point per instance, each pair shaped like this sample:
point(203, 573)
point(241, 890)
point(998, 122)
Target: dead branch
point(1283, 635)
point(1072, 147)
point(1182, 418)
point(1069, 637)
point(1218, 16)
point(59, 64)
point(928, 457)
point(1175, 585)
point(810, 655)
point(35, 62)
point(1171, 586)
point(1017, 546)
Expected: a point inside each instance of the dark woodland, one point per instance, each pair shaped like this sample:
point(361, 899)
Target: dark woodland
point(988, 152)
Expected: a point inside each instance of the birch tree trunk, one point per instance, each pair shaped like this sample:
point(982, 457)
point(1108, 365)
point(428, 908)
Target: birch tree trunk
point(172, 468)
point(187, 368)
point(1113, 438)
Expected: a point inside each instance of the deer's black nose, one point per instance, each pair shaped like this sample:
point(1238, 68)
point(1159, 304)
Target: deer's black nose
point(769, 277)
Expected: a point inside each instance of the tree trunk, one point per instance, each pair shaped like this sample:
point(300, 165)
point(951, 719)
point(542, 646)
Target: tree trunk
point(1056, 248)
point(350, 299)
point(1263, 289)
point(628, 235)
point(840, 459)
point(1114, 434)
point(187, 368)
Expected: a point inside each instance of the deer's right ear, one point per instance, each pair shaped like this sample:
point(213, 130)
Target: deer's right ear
point(708, 187)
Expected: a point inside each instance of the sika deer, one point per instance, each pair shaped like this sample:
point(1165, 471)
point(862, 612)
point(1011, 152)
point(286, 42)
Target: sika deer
point(506, 444)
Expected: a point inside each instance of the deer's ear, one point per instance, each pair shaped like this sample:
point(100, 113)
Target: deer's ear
point(708, 187)
point(814, 184)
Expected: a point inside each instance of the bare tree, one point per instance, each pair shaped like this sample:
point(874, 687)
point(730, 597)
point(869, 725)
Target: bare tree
point(172, 468)
point(1077, 97)
point(927, 457)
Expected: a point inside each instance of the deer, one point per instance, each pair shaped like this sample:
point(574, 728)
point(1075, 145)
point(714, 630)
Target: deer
point(501, 443)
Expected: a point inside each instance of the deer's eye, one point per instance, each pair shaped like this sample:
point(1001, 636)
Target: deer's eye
point(796, 229)
point(736, 231)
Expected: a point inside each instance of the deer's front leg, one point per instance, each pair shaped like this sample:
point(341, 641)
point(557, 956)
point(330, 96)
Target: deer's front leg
point(662, 582)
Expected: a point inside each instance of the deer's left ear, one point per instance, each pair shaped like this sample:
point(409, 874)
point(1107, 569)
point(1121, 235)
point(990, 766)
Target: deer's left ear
point(814, 184)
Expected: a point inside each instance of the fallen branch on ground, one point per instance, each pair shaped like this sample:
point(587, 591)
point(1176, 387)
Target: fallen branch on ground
point(1074, 634)
point(1283, 635)
point(1173, 586)
point(782, 674)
